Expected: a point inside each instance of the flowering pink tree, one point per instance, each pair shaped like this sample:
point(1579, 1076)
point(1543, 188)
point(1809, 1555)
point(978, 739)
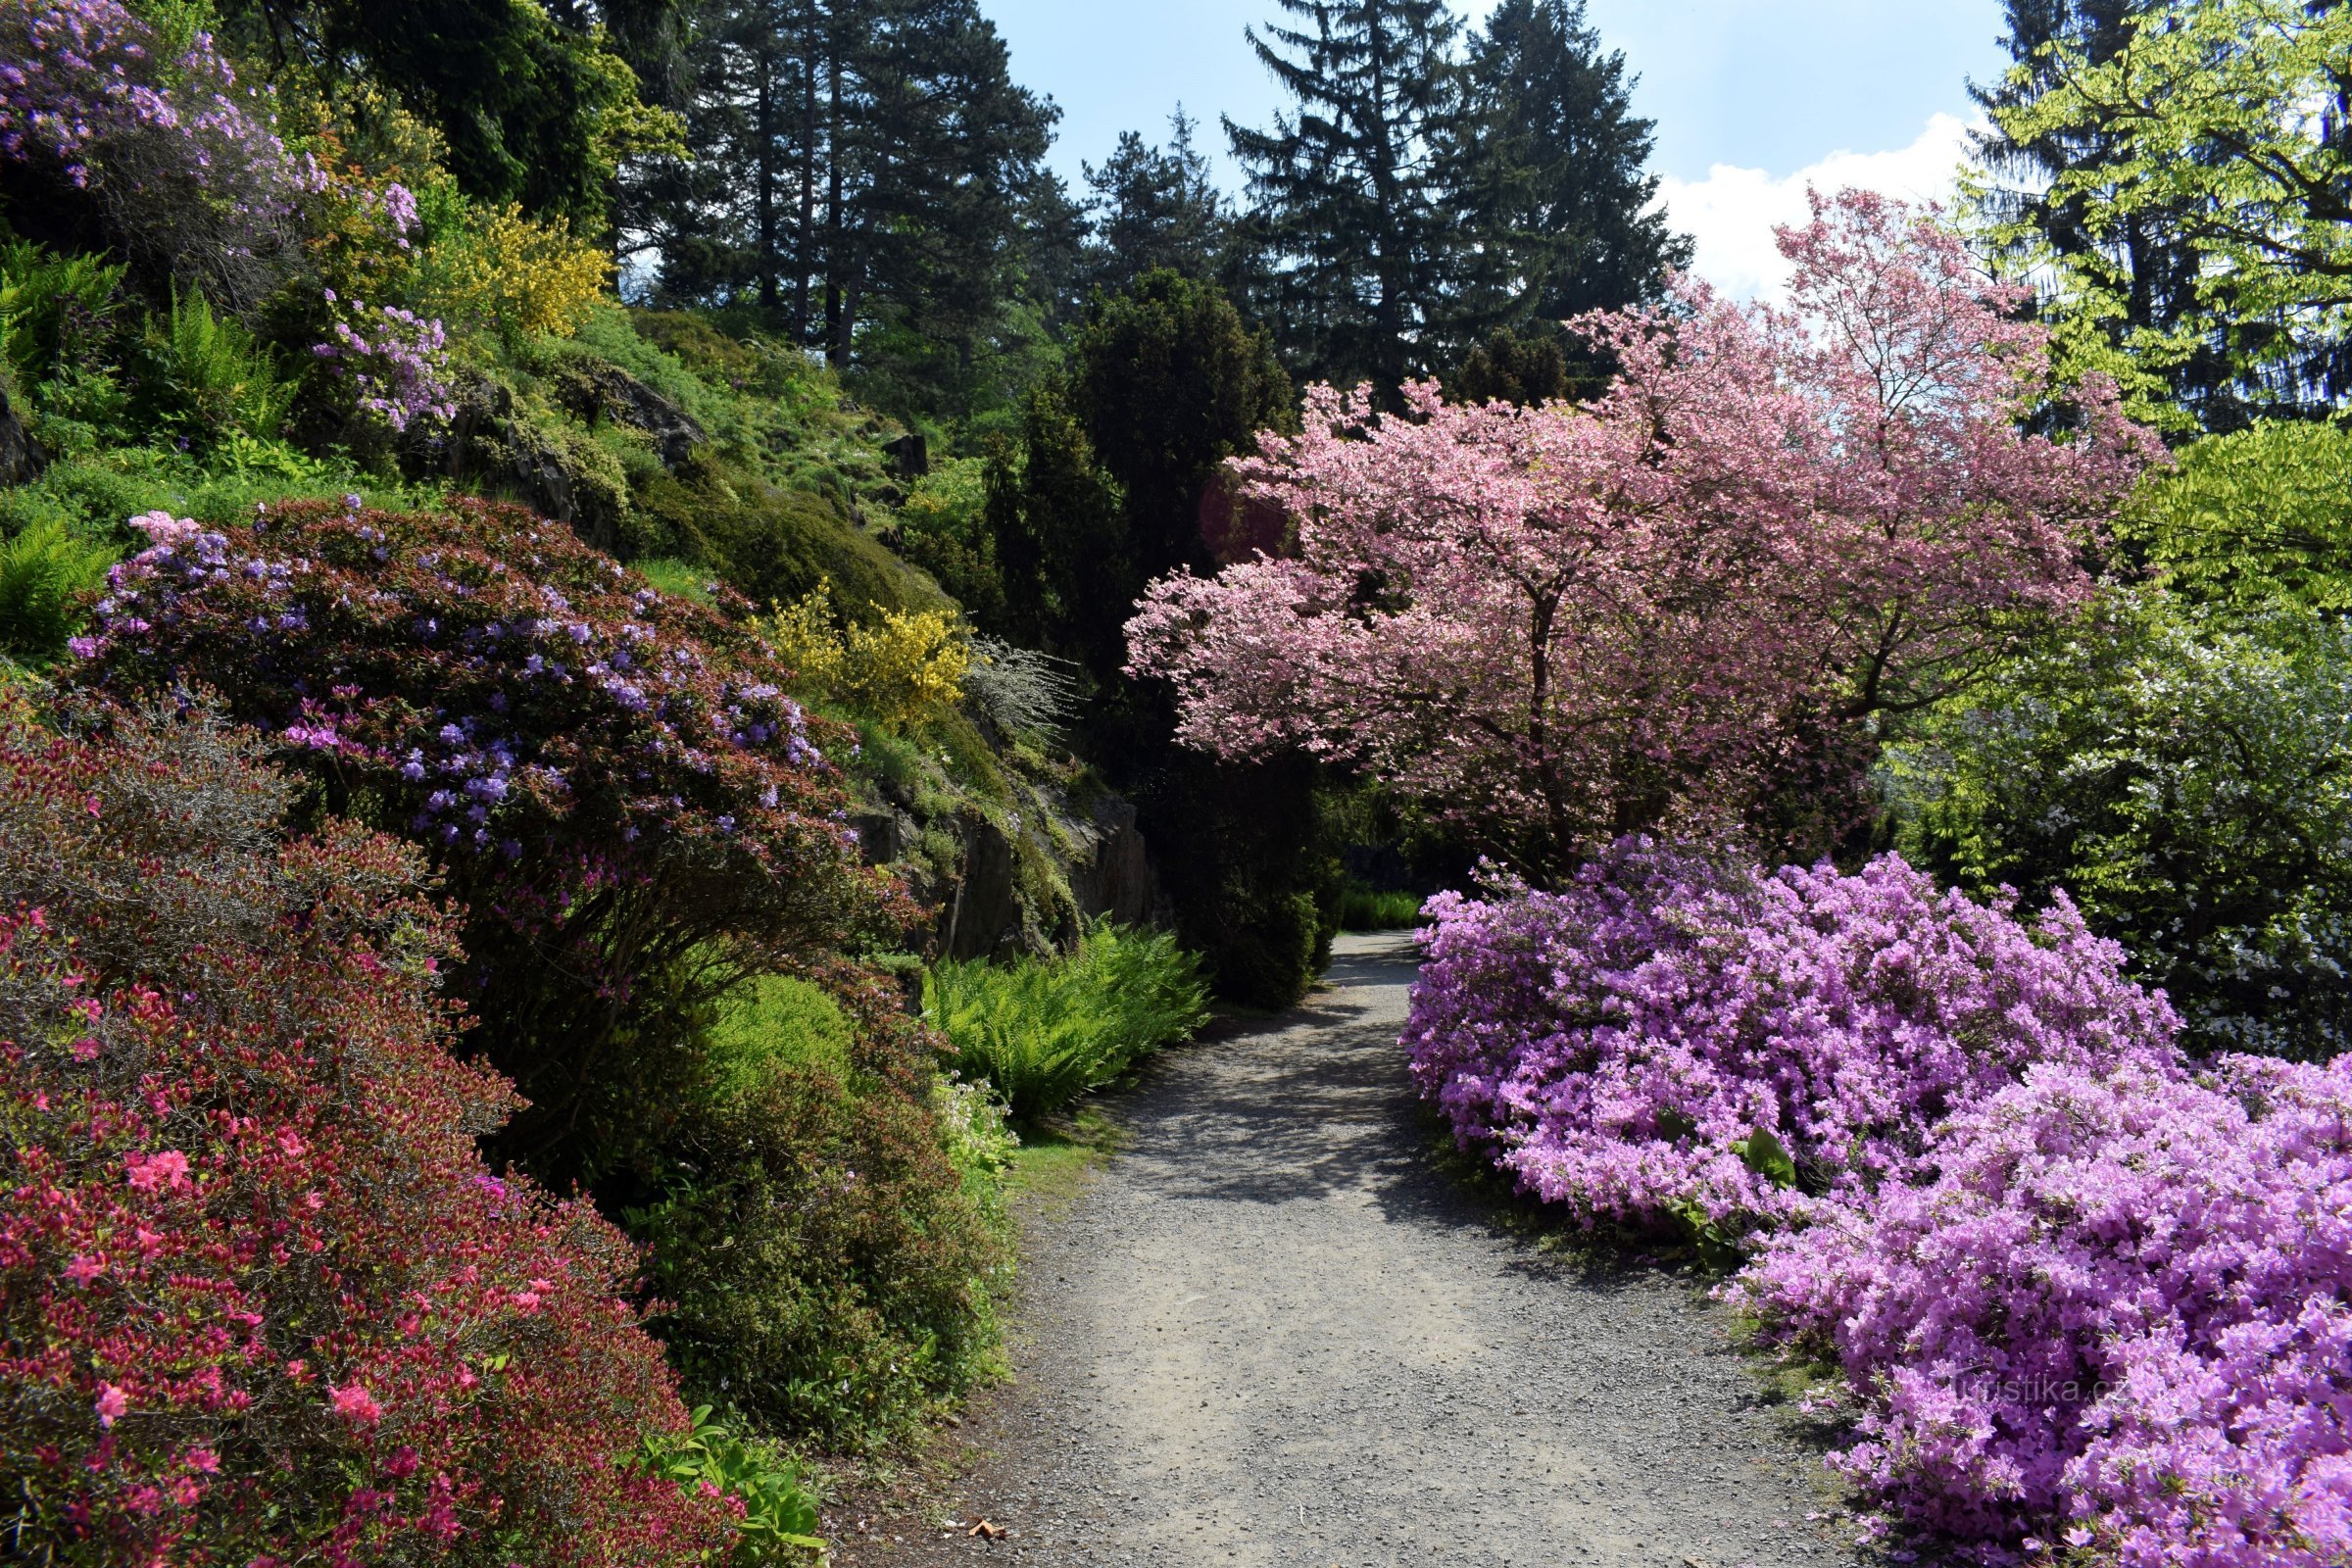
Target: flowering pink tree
point(1559, 624)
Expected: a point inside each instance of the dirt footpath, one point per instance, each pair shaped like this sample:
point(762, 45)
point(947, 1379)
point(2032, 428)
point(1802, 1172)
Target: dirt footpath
point(1269, 1333)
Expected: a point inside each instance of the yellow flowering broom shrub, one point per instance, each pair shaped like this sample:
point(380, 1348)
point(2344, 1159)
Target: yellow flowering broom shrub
point(900, 671)
point(519, 274)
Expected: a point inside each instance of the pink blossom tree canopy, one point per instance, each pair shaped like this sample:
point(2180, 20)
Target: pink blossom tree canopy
point(1559, 624)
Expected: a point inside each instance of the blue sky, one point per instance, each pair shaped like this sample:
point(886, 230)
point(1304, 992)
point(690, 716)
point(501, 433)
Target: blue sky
point(1753, 98)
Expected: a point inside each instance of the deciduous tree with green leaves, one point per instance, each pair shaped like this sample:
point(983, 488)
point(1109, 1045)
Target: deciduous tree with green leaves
point(2221, 179)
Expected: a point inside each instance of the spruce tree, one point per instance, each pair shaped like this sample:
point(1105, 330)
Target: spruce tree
point(1347, 202)
point(1155, 208)
point(868, 175)
point(1550, 177)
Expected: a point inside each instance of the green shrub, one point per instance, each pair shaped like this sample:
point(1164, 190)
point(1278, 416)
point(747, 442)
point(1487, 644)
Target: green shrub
point(1043, 1032)
point(93, 495)
point(2186, 775)
point(832, 1241)
point(1362, 910)
point(779, 1519)
point(212, 378)
point(43, 570)
point(62, 322)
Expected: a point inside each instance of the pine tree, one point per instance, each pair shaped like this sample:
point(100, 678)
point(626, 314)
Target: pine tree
point(1548, 175)
point(1155, 208)
point(1347, 202)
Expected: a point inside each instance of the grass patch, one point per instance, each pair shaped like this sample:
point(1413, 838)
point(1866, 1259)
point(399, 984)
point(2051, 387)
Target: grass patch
point(1055, 1158)
point(1362, 910)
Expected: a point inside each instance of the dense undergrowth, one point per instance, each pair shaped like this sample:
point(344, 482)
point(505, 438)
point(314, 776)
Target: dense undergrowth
point(1045, 1031)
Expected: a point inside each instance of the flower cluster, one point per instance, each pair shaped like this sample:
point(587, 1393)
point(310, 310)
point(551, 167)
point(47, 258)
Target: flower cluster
point(398, 364)
point(261, 1300)
point(1668, 1039)
point(2079, 1299)
point(611, 779)
point(902, 672)
point(79, 78)
point(2119, 1314)
point(186, 161)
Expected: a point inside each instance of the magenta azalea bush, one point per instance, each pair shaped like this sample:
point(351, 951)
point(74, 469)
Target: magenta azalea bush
point(2118, 1314)
point(1667, 1038)
point(2078, 1302)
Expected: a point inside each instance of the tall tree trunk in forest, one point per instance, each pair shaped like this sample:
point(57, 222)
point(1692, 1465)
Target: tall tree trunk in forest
point(766, 122)
point(805, 260)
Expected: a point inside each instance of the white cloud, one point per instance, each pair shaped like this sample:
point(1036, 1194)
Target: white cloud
point(1731, 213)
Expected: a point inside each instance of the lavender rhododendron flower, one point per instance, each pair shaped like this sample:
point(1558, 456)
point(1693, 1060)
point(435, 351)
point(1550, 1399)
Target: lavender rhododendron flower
point(2120, 1311)
point(1665, 1038)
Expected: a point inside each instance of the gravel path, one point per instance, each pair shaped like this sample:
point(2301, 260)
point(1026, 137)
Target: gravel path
point(1268, 1332)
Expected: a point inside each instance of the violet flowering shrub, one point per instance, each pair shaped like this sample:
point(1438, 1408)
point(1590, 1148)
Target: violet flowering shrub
point(182, 159)
point(395, 363)
point(613, 782)
point(1671, 1039)
point(2114, 1314)
point(261, 1300)
point(1554, 626)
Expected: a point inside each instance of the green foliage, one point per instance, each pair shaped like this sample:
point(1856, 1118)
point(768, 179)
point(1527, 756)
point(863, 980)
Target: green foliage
point(779, 1520)
point(2258, 516)
point(56, 312)
point(1044, 1030)
point(92, 496)
point(528, 110)
point(60, 343)
point(776, 1019)
point(680, 579)
point(942, 528)
point(1362, 910)
point(1554, 175)
point(1348, 192)
point(828, 1267)
point(2186, 775)
point(2191, 221)
point(43, 572)
point(213, 378)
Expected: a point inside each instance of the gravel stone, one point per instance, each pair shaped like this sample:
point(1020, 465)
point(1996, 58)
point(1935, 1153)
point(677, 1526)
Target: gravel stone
point(1268, 1332)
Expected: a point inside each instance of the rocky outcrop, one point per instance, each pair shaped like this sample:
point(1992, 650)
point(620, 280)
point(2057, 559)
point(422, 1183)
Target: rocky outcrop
point(1115, 878)
point(599, 391)
point(494, 447)
point(21, 459)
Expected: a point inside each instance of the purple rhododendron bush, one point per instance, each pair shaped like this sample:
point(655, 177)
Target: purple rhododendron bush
point(2118, 1312)
point(1666, 1038)
point(630, 812)
point(2077, 1297)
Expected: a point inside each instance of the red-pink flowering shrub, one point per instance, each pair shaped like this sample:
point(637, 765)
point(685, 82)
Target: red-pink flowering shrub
point(613, 782)
point(1664, 1039)
point(261, 1303)
point(1556, 625)
point(2115, 1316)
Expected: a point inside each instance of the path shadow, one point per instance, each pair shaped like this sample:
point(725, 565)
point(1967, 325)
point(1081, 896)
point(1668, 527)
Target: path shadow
point(1317, 1102)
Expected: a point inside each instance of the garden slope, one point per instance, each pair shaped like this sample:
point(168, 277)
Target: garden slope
point(1270, 1333)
